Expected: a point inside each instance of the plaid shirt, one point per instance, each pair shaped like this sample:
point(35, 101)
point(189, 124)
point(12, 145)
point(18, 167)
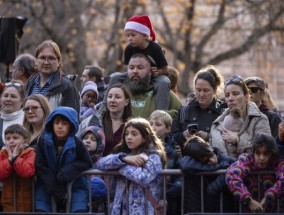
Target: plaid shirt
point(43, 91)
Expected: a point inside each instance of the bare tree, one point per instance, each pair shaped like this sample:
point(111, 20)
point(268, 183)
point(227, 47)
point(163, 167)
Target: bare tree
point(246, 20)
point(193, 33)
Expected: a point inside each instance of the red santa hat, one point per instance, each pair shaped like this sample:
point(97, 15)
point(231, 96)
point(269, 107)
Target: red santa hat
point(141, 24)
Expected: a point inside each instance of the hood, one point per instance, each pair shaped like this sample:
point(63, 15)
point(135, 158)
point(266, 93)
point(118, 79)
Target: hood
point(69, 113)
point(98, 132)
point(100, 137)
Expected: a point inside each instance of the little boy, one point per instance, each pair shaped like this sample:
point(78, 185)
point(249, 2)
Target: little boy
point(17, 170)
point(199, 156)
point(94, 139)
point(161, 122)
point(89, 97)
point(60, 158)
point(142, 39)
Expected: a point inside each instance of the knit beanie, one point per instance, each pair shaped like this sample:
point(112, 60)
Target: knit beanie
point(141, 24)
point(89, 85)
point(234, 121)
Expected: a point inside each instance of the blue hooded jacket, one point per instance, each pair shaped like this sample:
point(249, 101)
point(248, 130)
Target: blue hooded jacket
point(55, 172)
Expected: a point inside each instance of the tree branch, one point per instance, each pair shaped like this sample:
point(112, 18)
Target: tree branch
point(214, 29)
point(251, 40)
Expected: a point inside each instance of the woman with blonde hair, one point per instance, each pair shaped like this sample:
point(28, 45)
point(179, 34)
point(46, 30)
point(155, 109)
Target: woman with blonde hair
point(36, 108)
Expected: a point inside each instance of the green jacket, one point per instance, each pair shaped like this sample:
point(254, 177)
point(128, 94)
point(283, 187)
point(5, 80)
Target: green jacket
point(144, 104)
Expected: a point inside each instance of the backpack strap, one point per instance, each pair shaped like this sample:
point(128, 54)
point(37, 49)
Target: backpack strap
point(151, 198)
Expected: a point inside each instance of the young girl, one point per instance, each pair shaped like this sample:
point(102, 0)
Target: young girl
point(16, 170)
point(244, 185)
point(140, 157)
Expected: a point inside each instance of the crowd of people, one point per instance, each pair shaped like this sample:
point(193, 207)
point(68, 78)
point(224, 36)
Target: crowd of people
point(136, 124)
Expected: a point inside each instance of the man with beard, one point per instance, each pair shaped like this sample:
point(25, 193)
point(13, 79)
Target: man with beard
point(143, 95)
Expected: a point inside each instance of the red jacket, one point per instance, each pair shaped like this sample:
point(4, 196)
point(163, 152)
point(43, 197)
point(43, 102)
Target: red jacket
point(19, 173)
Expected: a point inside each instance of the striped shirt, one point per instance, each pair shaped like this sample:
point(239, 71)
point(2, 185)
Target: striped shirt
point(43, 91)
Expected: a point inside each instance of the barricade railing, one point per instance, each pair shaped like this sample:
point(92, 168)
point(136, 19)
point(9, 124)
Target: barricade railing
point(165, 173)
point(173, 172)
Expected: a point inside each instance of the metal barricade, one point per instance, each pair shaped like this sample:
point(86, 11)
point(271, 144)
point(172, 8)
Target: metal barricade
point(164, 173)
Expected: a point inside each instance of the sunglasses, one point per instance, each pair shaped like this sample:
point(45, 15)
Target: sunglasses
point(235, 80)
point(254, 89)
point(16, 84)
point(32, 108)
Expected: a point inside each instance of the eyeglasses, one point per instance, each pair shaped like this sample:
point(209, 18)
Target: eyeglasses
point(254, 89)
point(32, 108)
point(235, 80)
point(16, 84)
point(49, 59)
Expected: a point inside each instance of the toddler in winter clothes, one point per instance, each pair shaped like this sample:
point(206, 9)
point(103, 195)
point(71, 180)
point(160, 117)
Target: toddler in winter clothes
point(17, 168)
point(89, 97)
point(94, 139)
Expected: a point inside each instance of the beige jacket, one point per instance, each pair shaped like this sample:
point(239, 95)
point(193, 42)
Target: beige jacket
point(255, 123)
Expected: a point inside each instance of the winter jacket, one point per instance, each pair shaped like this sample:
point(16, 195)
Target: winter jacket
point(273, 118)
point(143, 105)
point(62, 92)
point(85, 111)
point(139, 178)
point(56, 171)
point(174, 182)
point(255, 122)
point(213, 185)
point(19, 173)
point(101, 89)
point(243, 184)
point(192, 113)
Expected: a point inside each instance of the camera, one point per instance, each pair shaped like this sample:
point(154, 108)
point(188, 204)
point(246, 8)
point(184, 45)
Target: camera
point(192, 128)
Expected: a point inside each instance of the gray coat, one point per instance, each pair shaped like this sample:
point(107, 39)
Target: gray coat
point(254, 123)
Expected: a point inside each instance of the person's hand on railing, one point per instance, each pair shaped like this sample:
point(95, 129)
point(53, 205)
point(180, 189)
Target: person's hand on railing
point(263, 203)
point(255, 206)
point(136, 160)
